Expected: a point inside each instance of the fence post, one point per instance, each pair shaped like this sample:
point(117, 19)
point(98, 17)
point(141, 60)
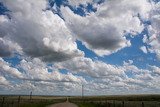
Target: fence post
point(108, 104)
point(12, 103)
point(19, 98)
point(30, 95)
point(3, 101)
point(142, 104)
point(114, 103)
point(123, 104)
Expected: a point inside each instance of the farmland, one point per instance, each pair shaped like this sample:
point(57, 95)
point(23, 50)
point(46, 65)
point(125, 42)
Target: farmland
point(26, 101)
point(87, 101)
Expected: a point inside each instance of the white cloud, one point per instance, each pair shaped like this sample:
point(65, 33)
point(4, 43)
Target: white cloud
point(8, 47)
point(154, 34)
point(145, 39)
point(4, 49)
point(89, 67)
point(77, 2)
point(39, 32)
point(106, 77)
point(144, 49)
point(103, 31)
point(3, 81)
point(34, 75)
point(6, 69)
point(36, 70)
point(155, 69)
point(43, 35)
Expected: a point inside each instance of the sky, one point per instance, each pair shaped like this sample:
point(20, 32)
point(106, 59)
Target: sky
point(53, 47)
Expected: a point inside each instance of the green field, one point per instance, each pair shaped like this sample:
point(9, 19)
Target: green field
point(89, 101)
point(25, 101)
point(118, 101)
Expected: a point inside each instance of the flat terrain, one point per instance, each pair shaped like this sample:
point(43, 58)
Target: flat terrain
point(66, 104)
point(78, 101)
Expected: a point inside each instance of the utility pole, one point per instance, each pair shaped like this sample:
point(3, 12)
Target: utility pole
point(82, 90)
point(30, 95)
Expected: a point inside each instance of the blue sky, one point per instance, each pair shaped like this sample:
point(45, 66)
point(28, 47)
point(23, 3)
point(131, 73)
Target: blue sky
point(90, 42)
point(130, 53)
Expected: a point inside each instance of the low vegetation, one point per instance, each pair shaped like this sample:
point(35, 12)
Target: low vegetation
point(94, 101)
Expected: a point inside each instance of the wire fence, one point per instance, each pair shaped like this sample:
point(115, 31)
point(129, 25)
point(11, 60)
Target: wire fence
point(22, 101)
point(110, 102)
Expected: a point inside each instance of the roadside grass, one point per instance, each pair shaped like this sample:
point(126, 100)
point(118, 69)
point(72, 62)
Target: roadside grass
point(40, 104)
point(24, 101)
point(90, 105)
point(90, 101)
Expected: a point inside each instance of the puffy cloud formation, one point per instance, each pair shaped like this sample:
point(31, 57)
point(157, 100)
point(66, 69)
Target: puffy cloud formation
point(103, 31)
point(3, 81)
point(144, 49)
point(38, 71)
point(8, 47)
point(35, 75)
point(5, 49)
point(91, 68)
point(39, 35)
point(154, 30)
point(107, 77)
point(102, 77)
point(38, 31)
point(51, 40)
point(5, 69)
point(77, 2)
point(156, 69)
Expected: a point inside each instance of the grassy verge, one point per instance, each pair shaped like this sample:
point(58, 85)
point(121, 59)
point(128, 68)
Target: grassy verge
point(90, 105)
point(24, 101)
point(40, 104)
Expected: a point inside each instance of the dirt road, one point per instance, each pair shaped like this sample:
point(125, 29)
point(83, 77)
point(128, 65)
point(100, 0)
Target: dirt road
point(65, 104)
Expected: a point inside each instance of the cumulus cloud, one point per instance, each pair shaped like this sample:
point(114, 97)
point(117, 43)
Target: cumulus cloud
point(36, 70)
point(155, 69)
point(77, 2)
point(3, 81)
point(107, 77)
point(3, 21)
point(91, 68)
point(8, 47)
point(40, 35)
point(4, 49)
point(104, 77)
point(39, 32)
point(144, 49)
point(6, 69)
point(35, 75)
point(154, 34)
point(103, 31)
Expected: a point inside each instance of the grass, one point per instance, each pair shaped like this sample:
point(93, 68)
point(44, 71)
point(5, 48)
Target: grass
point(37, 101)
point(90, 101)
point(40, 104)
point(118, 101)
point(90, 105)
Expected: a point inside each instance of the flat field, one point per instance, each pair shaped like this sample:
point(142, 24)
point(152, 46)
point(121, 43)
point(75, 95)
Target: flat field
point(87, 101)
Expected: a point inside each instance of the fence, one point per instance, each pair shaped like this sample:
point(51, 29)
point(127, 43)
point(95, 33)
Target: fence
point(21, 101)
point(115, 103)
